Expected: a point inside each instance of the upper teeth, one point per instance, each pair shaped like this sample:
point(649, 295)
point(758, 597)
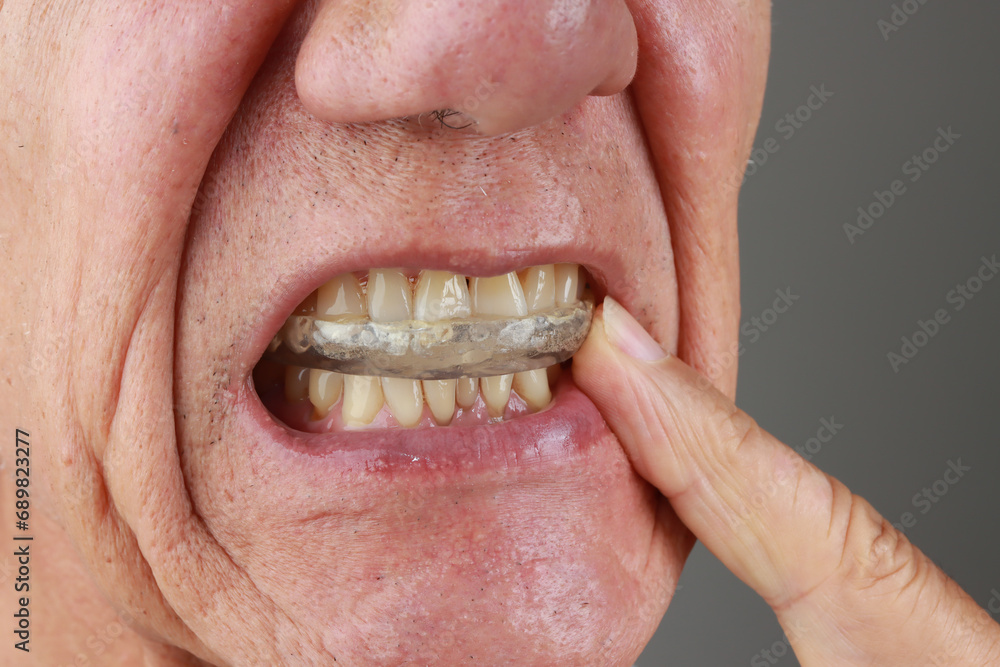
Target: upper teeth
point(441, 295)
point(438, 296)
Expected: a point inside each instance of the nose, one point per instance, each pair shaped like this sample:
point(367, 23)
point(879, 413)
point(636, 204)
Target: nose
point(504, 64)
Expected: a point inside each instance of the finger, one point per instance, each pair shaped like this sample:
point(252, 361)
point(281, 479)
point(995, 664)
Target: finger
point(846, 586)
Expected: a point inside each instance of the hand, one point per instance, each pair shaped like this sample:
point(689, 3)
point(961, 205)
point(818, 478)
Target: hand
point(846, 586)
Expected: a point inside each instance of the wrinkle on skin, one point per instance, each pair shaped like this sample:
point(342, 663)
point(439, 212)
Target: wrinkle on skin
point(118, 128)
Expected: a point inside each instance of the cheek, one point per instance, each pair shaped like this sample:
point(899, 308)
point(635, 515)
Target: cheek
point(629, 219)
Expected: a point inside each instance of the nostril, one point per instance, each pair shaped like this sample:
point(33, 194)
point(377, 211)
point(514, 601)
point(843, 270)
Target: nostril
point(452, 119)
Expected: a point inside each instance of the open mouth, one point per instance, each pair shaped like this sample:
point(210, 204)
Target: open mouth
point(424, 349)
point(381, 510)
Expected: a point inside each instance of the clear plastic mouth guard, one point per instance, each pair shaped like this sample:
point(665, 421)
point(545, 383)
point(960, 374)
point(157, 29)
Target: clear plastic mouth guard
point(473, 347)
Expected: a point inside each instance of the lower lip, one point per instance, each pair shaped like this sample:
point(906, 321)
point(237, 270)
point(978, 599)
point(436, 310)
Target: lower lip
point(565, 429)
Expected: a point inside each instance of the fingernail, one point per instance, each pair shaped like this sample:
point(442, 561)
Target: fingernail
point(628, 335)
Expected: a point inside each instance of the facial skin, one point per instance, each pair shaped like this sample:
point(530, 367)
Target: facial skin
point(179, 175)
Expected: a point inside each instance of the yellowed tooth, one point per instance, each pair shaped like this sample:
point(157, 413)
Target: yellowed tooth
point(405, 399)
point(389, 295)
point(441, 295)
point(569, 287)
point(440, 395)
point(390, 299)
point(467, 391)
point(340, 296)
point(308, 305)
point(325, 389)
point(362, 399)
point(501, 296)
point(539, 285)
point(496, 393)
point(296, 383)
point(533, 387)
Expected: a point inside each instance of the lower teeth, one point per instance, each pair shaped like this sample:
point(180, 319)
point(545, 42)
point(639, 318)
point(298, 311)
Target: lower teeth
point(338, 401)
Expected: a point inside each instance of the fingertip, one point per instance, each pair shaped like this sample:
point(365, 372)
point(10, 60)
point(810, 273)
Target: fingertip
point(627, 334)
point(624, 389)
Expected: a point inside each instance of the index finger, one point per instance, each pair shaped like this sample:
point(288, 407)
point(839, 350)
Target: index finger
point(845, 584)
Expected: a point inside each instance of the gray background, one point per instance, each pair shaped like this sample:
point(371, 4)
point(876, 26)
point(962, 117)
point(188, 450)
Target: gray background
point(827, 356)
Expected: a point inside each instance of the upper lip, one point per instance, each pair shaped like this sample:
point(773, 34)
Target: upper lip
point(395, 198)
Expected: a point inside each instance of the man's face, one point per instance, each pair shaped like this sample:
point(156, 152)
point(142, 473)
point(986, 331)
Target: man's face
point(181, 175)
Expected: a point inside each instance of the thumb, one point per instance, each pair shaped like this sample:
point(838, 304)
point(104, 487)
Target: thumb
point(840, 578)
